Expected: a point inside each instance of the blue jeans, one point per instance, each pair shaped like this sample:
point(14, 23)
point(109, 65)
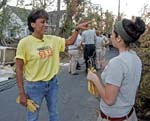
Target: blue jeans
point(37, 91)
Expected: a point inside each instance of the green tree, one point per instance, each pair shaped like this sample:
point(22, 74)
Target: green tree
point(3, 18)
point(83, 10)
point(109, 20)
point(72, 16)
point(45, 4)
point(143, 95)
point(3, 3)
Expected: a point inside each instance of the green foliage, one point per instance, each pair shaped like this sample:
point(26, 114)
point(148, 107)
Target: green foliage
point(84, 10)
point(143, 94)
point(45, 4)
point(71, 15)
point(67, 28)
point(4, 19)
point(109, 20)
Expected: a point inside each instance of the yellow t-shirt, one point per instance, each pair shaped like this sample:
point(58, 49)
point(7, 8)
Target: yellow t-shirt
point(41, 58)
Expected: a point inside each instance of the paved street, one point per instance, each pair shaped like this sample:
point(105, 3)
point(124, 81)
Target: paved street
point(75, 103)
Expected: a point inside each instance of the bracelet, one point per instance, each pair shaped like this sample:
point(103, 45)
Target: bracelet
point(77, 29)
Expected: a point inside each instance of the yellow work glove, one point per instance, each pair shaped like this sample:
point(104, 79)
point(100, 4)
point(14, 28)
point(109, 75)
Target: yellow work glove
point(31, 105)
point(91, 87)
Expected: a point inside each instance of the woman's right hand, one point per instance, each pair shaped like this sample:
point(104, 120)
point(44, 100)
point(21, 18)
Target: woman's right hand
point(23, 99)
point(92, 76)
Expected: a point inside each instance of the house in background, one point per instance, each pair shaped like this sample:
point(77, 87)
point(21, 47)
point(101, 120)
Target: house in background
point(17, 28)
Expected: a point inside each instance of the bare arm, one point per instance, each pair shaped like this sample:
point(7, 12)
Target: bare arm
point(107, 92)
point(19, 77)
point(106, 42)
point(72, 39)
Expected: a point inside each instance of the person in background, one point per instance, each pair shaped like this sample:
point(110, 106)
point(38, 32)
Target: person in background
point(89, 38)
point(38, 57)
point(99, 50)
point(110, 43)
point(120, 79)
point(105, 40)
point(104, 50)
point(78, 67)
point(74, 53)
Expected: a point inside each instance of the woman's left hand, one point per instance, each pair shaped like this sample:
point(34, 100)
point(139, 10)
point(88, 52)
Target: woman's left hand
point(92, 76)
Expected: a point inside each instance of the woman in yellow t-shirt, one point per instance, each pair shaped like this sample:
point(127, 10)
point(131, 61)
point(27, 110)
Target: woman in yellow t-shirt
point(37, 57)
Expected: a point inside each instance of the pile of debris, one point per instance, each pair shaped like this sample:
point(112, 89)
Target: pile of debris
point(7, 67)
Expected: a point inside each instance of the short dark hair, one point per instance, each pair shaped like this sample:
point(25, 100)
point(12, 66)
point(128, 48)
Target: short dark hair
point(34, 15)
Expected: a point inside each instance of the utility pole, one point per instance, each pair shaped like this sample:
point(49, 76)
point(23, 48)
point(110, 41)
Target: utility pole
point(119, 17)
point(58, 17)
